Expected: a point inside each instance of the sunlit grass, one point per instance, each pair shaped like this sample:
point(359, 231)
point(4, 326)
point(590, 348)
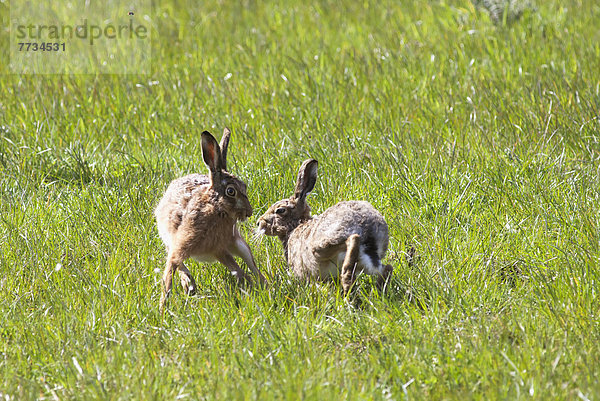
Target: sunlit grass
point(476, 139)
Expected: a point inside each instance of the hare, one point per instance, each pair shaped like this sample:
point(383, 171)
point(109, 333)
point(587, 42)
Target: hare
point(197, 218)
point(350, 236)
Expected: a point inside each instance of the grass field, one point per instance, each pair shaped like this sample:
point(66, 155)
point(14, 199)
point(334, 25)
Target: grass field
point(477, 139)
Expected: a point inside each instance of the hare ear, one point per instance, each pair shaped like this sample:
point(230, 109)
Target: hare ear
point(307, 178)
point(211, 153)
point(224, 145)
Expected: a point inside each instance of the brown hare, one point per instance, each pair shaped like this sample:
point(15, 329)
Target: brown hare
point(197, 218)
point(349, 237)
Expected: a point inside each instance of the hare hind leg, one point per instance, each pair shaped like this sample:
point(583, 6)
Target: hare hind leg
point(384, 276)
point(187, 280)
point(370, 260)
point(175, 260)
point(372, 265)
point(350, 262)
point(167, 280)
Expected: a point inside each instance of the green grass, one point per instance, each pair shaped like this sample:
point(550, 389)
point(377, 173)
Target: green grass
point(477, 139)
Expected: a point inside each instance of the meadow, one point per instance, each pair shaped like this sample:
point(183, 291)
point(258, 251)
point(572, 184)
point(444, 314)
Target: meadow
point(476, 137)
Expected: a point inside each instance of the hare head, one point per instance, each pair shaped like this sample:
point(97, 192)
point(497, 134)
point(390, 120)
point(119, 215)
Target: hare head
point(287, 214)
point(230, 191)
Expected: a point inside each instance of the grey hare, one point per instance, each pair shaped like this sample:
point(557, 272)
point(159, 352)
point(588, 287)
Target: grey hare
point(197, 217)
point(347, 238)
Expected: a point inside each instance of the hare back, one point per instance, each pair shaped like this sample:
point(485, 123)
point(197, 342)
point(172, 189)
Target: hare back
point(317, 247)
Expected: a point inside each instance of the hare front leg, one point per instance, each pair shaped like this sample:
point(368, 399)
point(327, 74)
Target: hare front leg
point(242, 249)
point(350, 261)
point(229, 262)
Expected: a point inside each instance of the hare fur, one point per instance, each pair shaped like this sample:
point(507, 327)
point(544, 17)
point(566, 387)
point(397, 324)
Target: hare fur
point(349, 237)
point(197, 217)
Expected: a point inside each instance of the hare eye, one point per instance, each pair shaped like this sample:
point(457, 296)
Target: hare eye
point(280, 210)
point(230, 191)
